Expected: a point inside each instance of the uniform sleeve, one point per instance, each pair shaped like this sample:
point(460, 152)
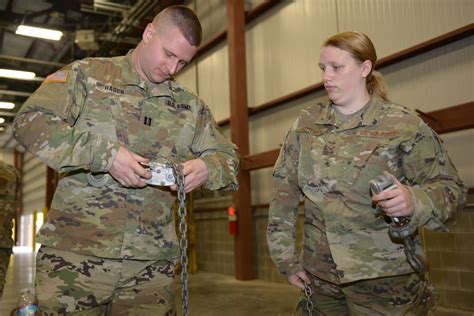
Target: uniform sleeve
point(45, 125)
point(283, 212)
point(437, 191)
point(218, 153)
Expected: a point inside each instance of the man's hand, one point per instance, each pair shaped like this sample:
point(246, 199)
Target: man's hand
point(195, 174)
point(395, 202)
point(299, 279)
point(127, 170)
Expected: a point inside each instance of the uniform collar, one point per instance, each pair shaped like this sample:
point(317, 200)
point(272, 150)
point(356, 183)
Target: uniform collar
point(367, 117)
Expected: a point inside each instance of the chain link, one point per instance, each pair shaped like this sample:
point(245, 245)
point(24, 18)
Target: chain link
point(183, 243)
point(309, 303)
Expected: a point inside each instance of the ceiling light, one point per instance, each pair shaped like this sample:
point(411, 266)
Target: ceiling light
point(2, 128)
point(39, 32)
point(17, 74)
point(7, 105)
point(2, 120)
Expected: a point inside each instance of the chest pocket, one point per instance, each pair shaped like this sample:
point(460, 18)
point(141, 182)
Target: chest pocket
point(354, 158)
point(165, 131)
point(332, 161)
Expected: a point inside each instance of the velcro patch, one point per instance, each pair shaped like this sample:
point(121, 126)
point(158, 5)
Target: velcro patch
point(58, 76)
point(378, 133)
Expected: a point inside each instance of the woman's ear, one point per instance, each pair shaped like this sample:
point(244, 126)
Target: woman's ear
point(366, 68)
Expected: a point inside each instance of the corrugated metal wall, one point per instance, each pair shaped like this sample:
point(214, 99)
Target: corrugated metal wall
point(34, 184)
point(34, 198)
point(283, 51)
point(34, 195)
point(282, 57)
point(7, 157)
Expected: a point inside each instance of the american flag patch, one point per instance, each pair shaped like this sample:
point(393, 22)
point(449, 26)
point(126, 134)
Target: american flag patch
point(58, 76)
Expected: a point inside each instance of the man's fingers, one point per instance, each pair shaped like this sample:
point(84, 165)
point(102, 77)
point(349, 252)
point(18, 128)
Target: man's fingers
point(141, 172)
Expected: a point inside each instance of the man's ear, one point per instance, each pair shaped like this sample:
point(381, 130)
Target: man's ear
point(148, 32)
point(366, 67)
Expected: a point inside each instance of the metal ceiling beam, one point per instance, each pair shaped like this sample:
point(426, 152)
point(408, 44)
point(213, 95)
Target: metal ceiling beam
point(17, 93)
point(111, 6)
point(10, 114)
point(32, 61)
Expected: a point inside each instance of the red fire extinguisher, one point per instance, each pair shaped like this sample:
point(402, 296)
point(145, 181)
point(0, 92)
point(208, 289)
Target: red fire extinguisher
point(233, 224)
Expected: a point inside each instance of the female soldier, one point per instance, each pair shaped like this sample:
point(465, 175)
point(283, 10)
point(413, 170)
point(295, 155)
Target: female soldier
point(330, 154)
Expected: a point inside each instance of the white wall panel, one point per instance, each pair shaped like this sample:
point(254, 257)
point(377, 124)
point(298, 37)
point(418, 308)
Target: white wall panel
point(34, 184)
point(394, 25)
point(435, 80)
point(7, 157)
point(460, 147)
point(282, 56)
point(283, 48)
point(187, 77)
point(213, 81)
point(268, 131)
point(432, 81)
point(261, 184)
point(213, 17)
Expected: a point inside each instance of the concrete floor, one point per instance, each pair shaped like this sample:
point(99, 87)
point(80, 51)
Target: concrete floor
point(213, 294)
point(210, 293)
point(20, 275)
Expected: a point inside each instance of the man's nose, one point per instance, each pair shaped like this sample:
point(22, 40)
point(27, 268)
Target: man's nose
point(173, 67)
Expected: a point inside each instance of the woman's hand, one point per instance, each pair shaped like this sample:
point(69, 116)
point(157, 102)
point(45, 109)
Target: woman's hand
point(299, 279)
point(395, 202)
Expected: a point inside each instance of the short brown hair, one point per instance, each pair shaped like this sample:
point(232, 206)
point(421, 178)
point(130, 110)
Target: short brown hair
point(186, 21)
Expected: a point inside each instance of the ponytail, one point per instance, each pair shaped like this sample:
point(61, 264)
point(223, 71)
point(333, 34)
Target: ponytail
point(376, 85)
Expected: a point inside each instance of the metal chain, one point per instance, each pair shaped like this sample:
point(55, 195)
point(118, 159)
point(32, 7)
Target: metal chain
point(309, 303)
point(183, 243)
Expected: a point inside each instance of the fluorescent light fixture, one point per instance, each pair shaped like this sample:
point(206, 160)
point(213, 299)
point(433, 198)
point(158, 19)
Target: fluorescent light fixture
point(7, 105)
point(39, 32)
point(2, 120)
point(17, 74)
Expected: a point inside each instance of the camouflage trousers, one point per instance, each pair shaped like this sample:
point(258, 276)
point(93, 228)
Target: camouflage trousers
point(4, 260)
point(407, 294)
point(67, 283)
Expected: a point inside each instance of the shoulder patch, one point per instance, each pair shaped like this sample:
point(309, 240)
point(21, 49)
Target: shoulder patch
point(58, 76)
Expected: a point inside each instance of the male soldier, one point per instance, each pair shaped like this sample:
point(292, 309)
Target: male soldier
point(108, 242)
point(8, 194)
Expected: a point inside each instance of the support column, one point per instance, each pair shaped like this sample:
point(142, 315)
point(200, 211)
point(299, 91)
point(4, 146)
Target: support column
point(18, 163)
point(52, 179)
point(243, 243)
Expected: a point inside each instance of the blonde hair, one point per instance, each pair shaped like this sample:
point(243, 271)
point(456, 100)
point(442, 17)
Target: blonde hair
point(361, 48)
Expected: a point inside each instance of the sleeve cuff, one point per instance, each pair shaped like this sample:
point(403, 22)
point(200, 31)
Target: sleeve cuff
point(290, 269)
point(423, 211)
point(217, 178)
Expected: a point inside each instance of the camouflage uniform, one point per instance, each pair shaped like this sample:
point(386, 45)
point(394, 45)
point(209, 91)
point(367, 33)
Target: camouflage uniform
point(327, 160)
point(75, 123)
point(9, 179)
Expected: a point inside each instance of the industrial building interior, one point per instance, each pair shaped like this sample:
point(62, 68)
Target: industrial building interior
point(267, 66)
